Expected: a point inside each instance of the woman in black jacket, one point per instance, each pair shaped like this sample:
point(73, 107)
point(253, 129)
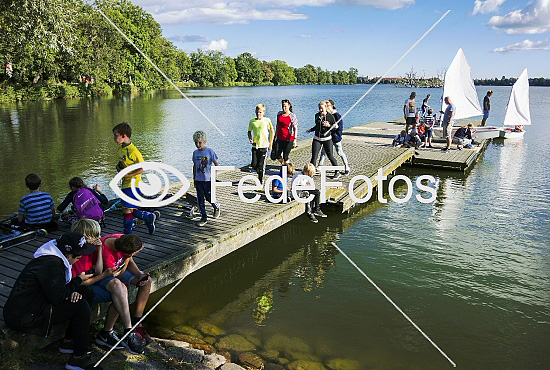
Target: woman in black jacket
point(45, 295)
point(324, 125)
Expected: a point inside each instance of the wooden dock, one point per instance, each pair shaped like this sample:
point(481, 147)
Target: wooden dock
point(382, 133)
point(178, 244)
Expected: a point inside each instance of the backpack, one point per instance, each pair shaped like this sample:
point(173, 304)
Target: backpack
point(86, 205)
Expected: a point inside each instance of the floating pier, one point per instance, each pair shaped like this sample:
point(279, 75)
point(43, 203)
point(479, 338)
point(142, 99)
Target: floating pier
point(179, 244)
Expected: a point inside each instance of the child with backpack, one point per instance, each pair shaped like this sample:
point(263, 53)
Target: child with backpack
point(86, 202)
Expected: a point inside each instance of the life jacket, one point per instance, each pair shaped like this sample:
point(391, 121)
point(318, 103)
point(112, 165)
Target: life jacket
point(87, 205)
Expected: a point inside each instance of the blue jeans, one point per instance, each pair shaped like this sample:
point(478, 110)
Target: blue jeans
point(203, 192)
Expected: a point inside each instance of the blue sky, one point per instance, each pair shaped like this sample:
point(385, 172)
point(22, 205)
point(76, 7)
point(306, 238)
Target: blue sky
point(499, 37)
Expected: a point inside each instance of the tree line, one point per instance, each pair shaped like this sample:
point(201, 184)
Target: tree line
point(504, 81)
point(67, 41)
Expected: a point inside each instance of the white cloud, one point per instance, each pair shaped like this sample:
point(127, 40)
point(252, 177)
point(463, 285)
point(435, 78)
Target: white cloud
point(487, 6)
point(533, 19)
point(304, 36)
point(524, 45)
point(188, 38)
point(216, 45)
point(245, 11)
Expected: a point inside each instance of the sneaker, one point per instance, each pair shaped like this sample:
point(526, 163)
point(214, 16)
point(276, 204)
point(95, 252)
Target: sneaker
point(140, 332)
point(133, 344)
point(459, 147)
point(346, 172)
point(108, 340)
point(312, 218)
point(319, 213)
point(157, 213)
point(81, 363)
point(66, 347)
point(191, 214)
point(151, 223)
point(416, 152)
point(201, 223)
point(429, 146)
point(336, 175)
point(216, 213)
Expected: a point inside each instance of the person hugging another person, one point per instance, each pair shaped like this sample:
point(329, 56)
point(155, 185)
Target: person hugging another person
point(336, 138)
point(286, 132)
point(260, 134)
point(203, 159)
point(45, 294)
point(109, 283)
point(128, 155)
point(36, 209)
point(86, 202)
point(324, 125)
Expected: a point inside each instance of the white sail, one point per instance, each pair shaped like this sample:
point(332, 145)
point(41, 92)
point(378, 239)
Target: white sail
point(459, 86)
point(517, 111)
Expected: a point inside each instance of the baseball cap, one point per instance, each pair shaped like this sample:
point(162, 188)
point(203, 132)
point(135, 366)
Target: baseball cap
point(74, 243)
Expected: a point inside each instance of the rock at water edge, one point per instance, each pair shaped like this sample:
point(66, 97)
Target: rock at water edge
point(251, 360)
point(235, 342)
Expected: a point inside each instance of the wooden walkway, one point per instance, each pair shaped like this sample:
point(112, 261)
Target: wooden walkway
point(382, 133)
point(178, 244)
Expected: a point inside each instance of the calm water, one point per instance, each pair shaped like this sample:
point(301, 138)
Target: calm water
point(472, 269)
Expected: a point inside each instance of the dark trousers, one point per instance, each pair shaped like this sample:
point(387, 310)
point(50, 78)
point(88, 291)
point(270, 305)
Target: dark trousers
point(316, 148)
point(283, 149)
point(258, 161)
point(78, 315)
point(315, 203)
point(203, 192)
point(50, 226)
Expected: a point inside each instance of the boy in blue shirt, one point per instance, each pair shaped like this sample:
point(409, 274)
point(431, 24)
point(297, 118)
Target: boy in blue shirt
point(36, 209)
point(203, 158)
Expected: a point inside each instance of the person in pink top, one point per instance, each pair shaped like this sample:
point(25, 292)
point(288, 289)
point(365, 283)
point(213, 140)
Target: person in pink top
point(286, 131)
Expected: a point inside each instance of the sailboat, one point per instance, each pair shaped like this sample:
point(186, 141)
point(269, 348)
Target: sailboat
point(517, 110)
point(459, 86)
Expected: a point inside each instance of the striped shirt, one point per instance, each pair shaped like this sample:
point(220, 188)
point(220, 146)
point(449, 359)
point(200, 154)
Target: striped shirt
point(429, 121)
point(37, 208)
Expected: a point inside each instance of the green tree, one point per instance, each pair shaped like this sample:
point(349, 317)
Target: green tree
point(283, 74)
point(225, 72)
point(268, 74)
point(343, 77)
point(36, 36)
point(183, 62)
point(352, 74)
point(203, 71)
point(249, 69)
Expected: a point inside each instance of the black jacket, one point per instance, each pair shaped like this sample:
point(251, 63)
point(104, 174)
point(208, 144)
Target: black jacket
point(40, 286)
point(320, 130)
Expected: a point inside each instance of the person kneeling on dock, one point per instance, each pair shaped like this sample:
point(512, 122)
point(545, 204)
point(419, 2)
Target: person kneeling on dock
point(463, 136)
point(399, 139)
point(109, 285)
point(44, 295)
point(412, 140)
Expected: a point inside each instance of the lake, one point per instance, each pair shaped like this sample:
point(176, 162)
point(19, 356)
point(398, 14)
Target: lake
point(471, 269)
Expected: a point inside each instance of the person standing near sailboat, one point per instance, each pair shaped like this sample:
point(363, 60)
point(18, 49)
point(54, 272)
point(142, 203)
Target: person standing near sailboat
point(448, 121)
point(409, 112)
point(486, 106)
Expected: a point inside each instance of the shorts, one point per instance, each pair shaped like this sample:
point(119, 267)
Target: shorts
point(101, 294)
point(429, 133)
point(485, 114)
point(410, 121)
point(447, 130)
point(130, 193)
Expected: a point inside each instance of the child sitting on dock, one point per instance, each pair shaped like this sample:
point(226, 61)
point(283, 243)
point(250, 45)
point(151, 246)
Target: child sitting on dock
point(128, 155)
point(86, 202)
point(277, 185)
point(203, 158)
point(313, 208)
point(36, 209)
point(109, 282)
point(399, 139)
